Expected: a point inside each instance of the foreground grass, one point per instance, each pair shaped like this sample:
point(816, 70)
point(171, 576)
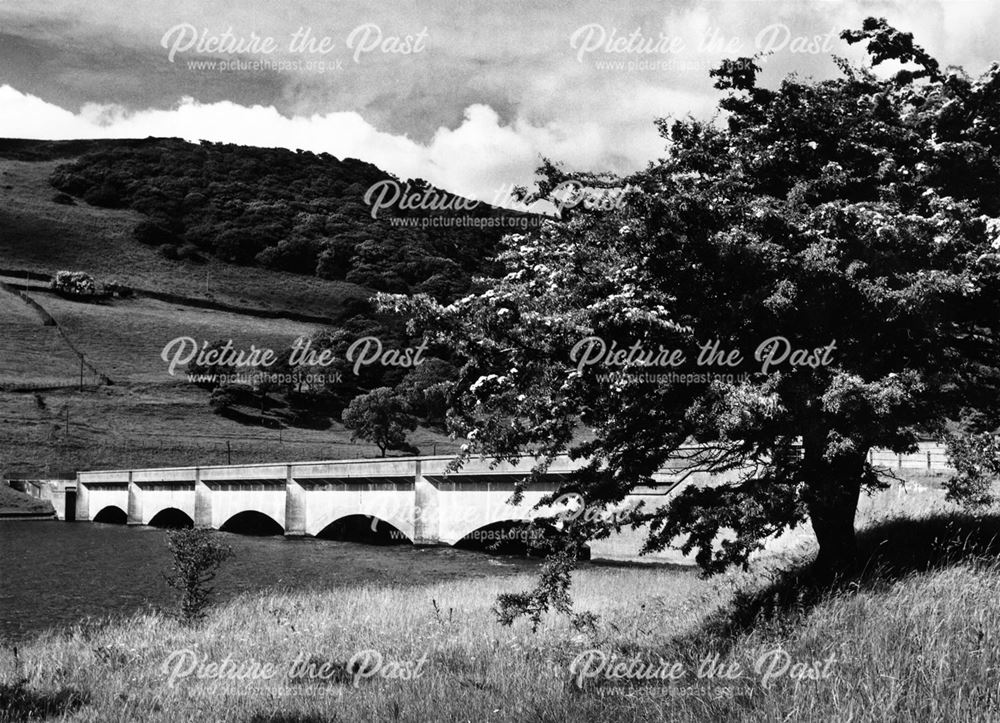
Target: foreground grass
point(911, 639)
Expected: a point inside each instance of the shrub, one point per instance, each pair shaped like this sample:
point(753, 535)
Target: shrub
point(223, 397)
point(189, 252)
point(106, 195)
point(118, 290)
point(152, 234)
point(197, 555)
point(77, 284)
point(169, 251)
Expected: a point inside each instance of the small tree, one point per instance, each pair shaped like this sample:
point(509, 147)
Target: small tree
point(197, 557)
point(380, 417)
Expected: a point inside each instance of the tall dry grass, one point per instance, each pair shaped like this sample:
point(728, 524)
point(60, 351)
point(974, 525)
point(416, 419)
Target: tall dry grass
point(912, 638)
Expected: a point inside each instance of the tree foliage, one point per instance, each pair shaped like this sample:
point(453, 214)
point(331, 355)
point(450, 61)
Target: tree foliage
point(860, 210)
point(298, 212)
point(381, 417)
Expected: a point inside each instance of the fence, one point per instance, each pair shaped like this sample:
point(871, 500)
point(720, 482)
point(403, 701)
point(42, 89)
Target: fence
point(930, 456)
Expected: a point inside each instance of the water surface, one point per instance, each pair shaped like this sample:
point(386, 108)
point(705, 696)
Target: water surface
point(55, 573)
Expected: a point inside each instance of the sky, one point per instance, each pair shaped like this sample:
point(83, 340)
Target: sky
point(467, 94)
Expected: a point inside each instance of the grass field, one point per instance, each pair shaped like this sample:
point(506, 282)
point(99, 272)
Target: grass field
point(37, 234)
point(124, 339)
point(49, 427)
point(146, 418)
point(31, 353)
point(910, 640)
point(155, 426)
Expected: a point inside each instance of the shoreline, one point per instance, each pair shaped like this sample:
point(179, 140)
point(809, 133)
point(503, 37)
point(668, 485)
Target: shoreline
point(28, 515)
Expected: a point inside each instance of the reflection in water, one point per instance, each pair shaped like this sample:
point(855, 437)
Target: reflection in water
point(56, 573)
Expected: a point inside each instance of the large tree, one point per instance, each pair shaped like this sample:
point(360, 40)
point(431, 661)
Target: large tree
point(859, 211)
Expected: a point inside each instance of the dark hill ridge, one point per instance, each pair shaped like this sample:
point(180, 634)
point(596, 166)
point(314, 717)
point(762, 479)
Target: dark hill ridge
point(292, 211)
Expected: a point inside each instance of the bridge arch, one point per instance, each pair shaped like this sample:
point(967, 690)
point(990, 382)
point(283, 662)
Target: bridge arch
point(253, 523)
point(367, 529)
point(111, 515)
point(171, 518)
point(511, 535)
point(401, 524)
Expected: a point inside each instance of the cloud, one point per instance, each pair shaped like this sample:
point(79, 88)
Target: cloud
point(517, 57)
point(499, 86)
point(481, 157)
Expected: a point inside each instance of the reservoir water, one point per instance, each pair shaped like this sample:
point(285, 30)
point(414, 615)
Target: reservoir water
point(55, 573)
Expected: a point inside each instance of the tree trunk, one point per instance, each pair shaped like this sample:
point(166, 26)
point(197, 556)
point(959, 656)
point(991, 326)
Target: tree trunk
point(831, 496)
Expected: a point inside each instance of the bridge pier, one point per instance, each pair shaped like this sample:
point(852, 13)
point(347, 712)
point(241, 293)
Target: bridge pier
point(134, 502)
point(295, 507)
point(82, 502)
point(202, 502)
point(426, 510)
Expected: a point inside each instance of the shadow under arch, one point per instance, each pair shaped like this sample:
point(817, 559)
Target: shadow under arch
point(172, 518)
point(111, 515)
point(366, 529)
point(519, 538)
point(253, 523)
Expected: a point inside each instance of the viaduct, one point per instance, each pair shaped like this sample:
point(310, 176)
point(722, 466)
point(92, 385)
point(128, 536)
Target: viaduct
point(417, 497)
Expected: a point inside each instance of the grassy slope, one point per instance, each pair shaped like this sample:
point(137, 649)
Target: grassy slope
point(31, 353)
point(155, 426)
point(40, 235)
point(124, 340)
point(12, 501)
point(911, 641)
point(147, 418)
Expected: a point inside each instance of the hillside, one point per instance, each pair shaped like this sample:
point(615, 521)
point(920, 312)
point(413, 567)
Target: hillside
point(16, 504)
point(42, 236)
point(129, 411)
point(265, 228)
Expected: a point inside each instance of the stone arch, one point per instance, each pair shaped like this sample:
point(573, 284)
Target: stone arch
point(171, 518)
point(111, 515)
point(510, 536)
point(254, 523)
point(368, 529)
point(399, 523)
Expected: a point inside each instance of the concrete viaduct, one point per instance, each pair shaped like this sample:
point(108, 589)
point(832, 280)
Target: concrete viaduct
point(417, 496)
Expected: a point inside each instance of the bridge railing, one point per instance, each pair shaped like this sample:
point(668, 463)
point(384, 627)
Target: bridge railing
point(930, 456)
